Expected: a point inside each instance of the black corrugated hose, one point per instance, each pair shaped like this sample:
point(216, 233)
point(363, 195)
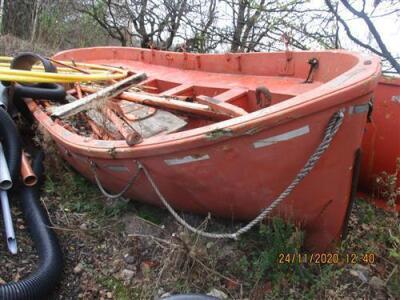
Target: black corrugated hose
point(11, 143)
point(40, 283)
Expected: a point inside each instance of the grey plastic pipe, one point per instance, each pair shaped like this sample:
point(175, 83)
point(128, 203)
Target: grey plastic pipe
point(5, 176)
point(8, 224)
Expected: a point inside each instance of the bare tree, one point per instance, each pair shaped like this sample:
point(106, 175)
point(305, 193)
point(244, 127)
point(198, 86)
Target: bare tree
point(379, 47)
point(17, 17)
point(199, 30)
point(240, 25)
point(154, 23)
point(109, 15)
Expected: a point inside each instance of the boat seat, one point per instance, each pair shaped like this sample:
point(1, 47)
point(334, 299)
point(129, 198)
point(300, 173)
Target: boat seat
point(231, 94)
point(220, 106)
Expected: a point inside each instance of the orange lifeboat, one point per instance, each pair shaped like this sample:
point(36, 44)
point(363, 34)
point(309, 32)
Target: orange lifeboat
point(291, 125)
point(380, 169)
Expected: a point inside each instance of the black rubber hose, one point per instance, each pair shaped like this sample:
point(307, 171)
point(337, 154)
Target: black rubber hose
point(11, 143)
point(25, 61)
point(20, 105)
point(42, 282)
point(48, 91)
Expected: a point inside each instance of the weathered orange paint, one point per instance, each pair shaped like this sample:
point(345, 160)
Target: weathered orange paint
point(228, 176)
point(381, 141)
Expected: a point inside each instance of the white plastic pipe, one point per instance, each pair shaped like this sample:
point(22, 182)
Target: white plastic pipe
point(8, 225)
point(3, 97)
point(5, 178)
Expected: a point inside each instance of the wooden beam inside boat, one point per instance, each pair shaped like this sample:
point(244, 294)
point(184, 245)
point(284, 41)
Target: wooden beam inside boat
point(221, 106)
point(169, 103)
point(111, 91)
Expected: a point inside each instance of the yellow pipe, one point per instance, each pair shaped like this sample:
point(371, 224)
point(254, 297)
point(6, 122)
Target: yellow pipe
point(98, 73)
point(4, 65)
point(30, 79)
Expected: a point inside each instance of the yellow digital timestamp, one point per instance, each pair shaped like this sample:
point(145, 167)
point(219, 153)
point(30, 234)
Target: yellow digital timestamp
point(326, 258)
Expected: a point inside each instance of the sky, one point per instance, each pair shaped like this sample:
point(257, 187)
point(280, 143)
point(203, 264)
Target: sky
point(387, 26)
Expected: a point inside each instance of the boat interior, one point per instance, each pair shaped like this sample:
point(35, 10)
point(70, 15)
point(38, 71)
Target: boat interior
point(188, 91)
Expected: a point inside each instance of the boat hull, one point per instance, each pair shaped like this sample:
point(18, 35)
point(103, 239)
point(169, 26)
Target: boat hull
point(235, 180)
point(236, 168)
point(381, 141)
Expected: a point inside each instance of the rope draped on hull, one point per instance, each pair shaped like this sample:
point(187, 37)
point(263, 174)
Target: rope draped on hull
point(332, 128)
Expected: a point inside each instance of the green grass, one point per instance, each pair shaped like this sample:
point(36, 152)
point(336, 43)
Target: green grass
point(119, 290)
point(255, 260)
point(265, 246)
point(151, 213)
point(78, 195)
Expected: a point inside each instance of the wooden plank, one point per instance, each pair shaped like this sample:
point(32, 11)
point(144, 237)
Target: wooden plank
point(177, 90)
point(220, 106)
point(132, 137)
point(99, 124)
point(231, 94)
point(85, 103)
point(169, 103)
point(104, 126)
point(149, 121)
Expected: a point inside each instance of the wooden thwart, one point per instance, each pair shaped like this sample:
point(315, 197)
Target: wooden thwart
point(111, 91)
point(221, 106)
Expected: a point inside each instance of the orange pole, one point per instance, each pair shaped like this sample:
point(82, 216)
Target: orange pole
point(68, 66)
point(71, 91)
point(78, 90)
point(28, 176)
point(131, 136)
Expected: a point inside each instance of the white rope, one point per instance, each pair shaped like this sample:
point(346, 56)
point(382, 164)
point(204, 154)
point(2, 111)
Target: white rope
point(104, 192)
point(330, 131)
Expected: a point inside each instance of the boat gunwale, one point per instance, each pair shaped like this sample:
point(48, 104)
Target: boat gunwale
point(362, 73)
point(390, 80)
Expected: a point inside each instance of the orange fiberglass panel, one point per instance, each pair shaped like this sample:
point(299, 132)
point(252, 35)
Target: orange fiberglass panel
point(380, 168)
point(236, 167)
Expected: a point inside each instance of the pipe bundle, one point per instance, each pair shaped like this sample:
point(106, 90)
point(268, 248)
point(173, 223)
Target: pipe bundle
point(15, 168)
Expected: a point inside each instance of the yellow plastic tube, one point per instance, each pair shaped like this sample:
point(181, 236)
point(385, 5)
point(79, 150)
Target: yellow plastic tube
point(37, 74)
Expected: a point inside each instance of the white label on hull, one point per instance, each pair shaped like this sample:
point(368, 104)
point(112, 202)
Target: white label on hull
point(117, 168)
point(282, 137)
point(359, 109)
point(186, 159)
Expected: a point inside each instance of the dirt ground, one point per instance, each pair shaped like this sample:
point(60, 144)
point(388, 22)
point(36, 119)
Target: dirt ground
point(127, 250)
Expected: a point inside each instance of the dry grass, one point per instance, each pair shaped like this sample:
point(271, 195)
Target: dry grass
point(10, 45)
point(388, 187)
